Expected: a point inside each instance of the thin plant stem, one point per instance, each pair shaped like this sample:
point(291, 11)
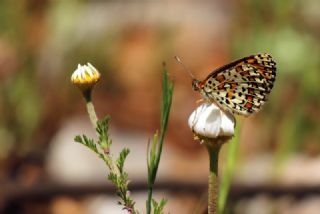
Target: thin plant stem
point(90, 108)
point(149, 199)
point(213, 188)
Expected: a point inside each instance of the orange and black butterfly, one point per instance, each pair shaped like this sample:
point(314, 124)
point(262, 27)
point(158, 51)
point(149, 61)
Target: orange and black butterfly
point(240, 87)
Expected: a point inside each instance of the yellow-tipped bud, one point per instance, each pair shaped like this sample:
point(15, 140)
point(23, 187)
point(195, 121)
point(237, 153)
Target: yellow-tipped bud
point(85, 77)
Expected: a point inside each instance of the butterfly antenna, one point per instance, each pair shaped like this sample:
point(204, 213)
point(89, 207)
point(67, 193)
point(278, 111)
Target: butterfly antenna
point(184, 67)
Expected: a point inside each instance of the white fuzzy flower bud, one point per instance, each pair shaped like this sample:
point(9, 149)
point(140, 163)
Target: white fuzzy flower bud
point(209, 121)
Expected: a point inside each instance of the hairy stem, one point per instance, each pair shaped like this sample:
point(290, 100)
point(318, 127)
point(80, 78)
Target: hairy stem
point(90, 108)
point(213, 188)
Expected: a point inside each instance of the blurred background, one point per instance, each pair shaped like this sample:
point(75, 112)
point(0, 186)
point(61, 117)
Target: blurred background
point(41, 42)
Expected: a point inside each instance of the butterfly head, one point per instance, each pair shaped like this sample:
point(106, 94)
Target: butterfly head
point(196, 85)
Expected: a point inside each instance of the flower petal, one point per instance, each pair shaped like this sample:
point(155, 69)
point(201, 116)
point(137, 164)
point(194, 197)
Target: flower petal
point(208, 120)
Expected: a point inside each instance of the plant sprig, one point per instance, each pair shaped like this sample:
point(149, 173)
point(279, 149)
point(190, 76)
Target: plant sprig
point(116, 175)
point(85, 77)
point(155, 147)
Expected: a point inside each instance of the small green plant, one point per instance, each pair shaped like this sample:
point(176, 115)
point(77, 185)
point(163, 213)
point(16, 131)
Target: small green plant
point(116, 175)
point(155, 147)
point(85, 77)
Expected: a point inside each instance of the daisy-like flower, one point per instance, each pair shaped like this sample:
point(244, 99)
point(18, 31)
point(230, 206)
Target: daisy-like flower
point(208, 121)
point(85, 77)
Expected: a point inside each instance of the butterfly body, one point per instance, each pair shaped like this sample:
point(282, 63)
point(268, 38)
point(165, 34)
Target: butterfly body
point(240, 87)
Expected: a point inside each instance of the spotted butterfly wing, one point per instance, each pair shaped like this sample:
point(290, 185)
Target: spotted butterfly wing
point(242, 86)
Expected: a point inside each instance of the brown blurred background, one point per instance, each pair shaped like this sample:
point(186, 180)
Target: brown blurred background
point(41, 43)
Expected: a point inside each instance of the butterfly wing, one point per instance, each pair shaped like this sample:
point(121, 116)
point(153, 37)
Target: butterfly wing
point(242, 86)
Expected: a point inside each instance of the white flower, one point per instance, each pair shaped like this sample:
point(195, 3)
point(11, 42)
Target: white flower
point(209, 121)
point(85, 76)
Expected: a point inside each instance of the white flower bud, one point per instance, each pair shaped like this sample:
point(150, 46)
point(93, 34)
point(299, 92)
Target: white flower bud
point(209, 121)
point(85, 77)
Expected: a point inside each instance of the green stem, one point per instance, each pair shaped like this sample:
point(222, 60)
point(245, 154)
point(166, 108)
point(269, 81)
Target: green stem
point(213, 188)
point(149, 199)
point(90, 108)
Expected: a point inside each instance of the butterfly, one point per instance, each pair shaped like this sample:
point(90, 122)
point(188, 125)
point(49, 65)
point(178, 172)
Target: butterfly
point(240, 87)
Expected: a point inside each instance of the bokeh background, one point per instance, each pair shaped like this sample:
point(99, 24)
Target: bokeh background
point(41, 43)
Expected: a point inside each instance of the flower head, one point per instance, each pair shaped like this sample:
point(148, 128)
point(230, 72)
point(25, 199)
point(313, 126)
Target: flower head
point(208, 121)
point(85, 77)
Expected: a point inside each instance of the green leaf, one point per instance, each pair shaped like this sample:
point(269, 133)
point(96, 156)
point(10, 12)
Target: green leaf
point(155, 147)
point(154, 203)
point(102, 130)
point(167, 92)
point(87, 142)
point(78, 139)
point(113, 177)
point(122, 157)
point(124, 178)
point(158, 207)
point(162, 203)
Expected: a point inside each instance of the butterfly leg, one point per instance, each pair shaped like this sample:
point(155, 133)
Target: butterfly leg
point(200, 100)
